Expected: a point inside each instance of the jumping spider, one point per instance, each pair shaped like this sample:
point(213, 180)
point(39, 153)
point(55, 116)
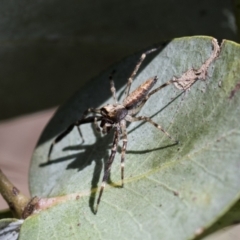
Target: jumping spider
point(114, 116)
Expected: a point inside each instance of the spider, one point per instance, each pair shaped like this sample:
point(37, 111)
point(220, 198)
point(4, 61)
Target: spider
point(114, 116)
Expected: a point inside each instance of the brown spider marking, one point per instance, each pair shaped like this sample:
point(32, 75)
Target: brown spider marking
point(114, 116)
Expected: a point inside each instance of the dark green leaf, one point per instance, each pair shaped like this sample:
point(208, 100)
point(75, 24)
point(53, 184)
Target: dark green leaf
point(171, 191)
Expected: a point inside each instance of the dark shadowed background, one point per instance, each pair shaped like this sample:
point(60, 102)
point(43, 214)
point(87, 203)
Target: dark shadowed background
point(49, 49)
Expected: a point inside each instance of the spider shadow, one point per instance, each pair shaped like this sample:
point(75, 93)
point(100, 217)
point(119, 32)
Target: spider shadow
point(90, 154)
point(97, 152)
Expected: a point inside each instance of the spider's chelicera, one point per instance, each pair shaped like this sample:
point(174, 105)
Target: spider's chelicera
point(114, 116)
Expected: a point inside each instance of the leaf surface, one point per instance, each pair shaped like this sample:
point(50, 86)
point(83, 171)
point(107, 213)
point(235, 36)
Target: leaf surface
point(171, 191)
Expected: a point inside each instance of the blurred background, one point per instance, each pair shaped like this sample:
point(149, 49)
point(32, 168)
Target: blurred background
point(50, 48)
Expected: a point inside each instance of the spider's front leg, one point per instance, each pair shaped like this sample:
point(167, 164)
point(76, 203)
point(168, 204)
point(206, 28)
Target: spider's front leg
point(132, 76)
point(112, 86)
point(82, 120)
point(108, 165)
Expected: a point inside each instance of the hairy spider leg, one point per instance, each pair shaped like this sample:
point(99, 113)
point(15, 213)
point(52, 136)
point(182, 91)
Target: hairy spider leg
point(160, 87)
point(147, 119)
point(96, 125)
point(124, 147)
point(108, 165)
point(82, 120)
point(132, 76)
point(113, 89)
point(85, 113)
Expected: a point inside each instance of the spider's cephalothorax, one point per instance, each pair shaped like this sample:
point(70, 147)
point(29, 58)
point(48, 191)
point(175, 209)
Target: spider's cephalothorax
point(114, 116)
point(114, 113)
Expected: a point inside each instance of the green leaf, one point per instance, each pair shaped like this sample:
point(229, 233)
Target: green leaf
point(171, 191)
point(224, 226)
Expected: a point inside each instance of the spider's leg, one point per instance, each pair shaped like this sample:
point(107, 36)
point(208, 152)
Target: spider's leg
point(78, 123)
point(96, 124)
point(132, 76)
point(113, 89)
point(83, 120)
point(147, 119)
point(89, 110)
point(108, 166)
point(160, 87)
point(124, 146)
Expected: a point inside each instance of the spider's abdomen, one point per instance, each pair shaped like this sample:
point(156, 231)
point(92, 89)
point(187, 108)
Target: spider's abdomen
point(114, 113)
point(138, 95)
